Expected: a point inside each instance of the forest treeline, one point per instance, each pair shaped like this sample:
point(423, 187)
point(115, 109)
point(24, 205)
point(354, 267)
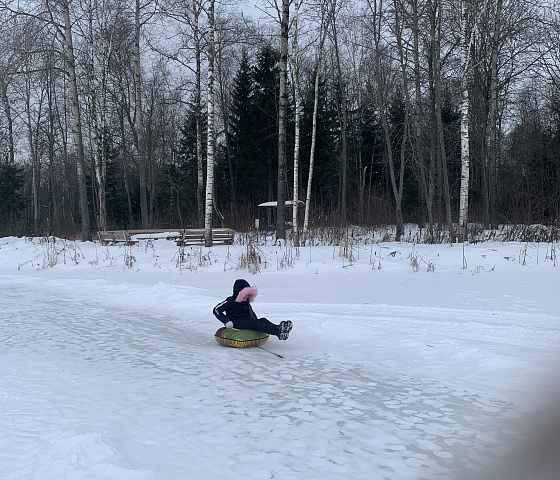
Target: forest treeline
point(121, 114)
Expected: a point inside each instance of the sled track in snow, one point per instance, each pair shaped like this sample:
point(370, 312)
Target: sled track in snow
point(74, 375)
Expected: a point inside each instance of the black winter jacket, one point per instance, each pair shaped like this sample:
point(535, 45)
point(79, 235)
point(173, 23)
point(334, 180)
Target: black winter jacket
point(230, 310)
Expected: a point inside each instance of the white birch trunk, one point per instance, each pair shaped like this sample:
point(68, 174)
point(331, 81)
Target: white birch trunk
point(211, 139)
point(464, 107)
point(313, 142)
point(297, 134)
point(326, 18)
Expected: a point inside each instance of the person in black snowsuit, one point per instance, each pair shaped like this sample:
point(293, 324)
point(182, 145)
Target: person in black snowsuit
point(236, 311)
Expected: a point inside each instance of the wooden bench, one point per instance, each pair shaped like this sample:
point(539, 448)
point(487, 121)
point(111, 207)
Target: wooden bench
point(156, 233)
point(195, 236)
point(115, 236)
point(183, 237)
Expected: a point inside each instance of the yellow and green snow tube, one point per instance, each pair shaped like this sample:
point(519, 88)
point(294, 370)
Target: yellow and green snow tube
point(232, 337)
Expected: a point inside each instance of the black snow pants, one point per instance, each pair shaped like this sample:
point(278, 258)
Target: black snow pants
point(258, 324)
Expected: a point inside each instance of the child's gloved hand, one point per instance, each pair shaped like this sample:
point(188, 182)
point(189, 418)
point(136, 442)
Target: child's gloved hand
point(229, 324)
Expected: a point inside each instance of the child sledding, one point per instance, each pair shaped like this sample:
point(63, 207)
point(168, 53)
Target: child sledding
point(236, 312)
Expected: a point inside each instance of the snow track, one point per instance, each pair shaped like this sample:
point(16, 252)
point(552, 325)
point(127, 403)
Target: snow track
point(118, 393)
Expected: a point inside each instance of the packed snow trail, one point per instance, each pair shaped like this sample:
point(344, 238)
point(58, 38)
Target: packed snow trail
point(91, 391)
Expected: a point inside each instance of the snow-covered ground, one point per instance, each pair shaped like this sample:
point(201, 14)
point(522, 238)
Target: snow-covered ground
point(405, 362)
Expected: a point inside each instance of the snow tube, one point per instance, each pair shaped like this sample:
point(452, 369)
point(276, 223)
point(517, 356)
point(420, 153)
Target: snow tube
point(232, 337)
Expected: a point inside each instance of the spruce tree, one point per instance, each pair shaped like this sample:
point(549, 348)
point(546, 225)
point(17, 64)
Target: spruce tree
point(254, 127)
point(265, 102)
point(242, 124)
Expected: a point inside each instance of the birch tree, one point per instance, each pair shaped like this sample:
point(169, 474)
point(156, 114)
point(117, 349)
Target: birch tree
point(282, 120)
point(467, 33)
point(297, 116)
point(327, 12)
point(210, 125)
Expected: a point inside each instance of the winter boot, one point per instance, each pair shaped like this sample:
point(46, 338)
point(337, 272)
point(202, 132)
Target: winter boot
point(284, 329)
